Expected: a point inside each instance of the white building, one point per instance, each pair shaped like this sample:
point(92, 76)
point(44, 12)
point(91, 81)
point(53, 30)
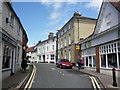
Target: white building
point(41, 51)
point(101, 50)
point(29, 54)
point(46, 50)
point(10, 40)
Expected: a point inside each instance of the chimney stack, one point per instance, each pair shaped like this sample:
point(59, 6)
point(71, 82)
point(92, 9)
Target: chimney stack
point(51, 35)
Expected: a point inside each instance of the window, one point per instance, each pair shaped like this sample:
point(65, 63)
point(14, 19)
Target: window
point(86, 61)
point(47, 56)
point(19, 30)
point(94, 61)
point(52, 57)
point(65, 41)
point(12, 20)
point(65, 29)
point(39, 57)
point(69, 38)
point(53, 40)
point(112, 60)
point(47, 48)
point(6, 57)
point(53, 47)
point(103, 60)
point(69, 54)
point(61, 43)
point(90, 61)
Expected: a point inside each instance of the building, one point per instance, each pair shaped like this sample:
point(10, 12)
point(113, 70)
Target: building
point(68, 37)
point(28, 53)
point(11, 36)
point(46, 50)
point(101, 50)
point(34, 55)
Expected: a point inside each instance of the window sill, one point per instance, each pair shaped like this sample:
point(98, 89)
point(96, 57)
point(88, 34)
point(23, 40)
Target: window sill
point(7, 69)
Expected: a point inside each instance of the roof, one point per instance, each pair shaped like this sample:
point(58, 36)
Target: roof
point(29, 49)
point(116, 5)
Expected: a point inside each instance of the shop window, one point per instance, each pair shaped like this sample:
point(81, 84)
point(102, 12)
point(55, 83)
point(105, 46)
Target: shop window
point(103, 60)
point(112, 60)
point(90, 61)
point(86, 61)
point(94, 61)
point(52, 57)
point(6, 57)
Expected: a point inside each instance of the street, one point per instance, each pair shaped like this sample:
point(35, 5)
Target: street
point(49, 76)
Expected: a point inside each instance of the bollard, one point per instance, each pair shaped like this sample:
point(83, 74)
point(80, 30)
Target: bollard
point(114, 77)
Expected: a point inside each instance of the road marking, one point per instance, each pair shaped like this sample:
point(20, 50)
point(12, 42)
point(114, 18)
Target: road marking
point(93, 83)
point(22, 82)
point(30, 81)
point(53, 69)
point(96, 83)
point(32, 78)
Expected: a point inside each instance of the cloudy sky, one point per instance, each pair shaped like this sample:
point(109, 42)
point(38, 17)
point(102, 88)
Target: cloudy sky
point(39, 17)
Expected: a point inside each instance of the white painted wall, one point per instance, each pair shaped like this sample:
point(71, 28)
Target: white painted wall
point(40, 51)
point(108, 13)
point(50, 51)
point(112, 35)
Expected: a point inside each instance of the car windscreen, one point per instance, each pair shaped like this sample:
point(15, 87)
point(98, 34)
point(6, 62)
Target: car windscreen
point(64, 60)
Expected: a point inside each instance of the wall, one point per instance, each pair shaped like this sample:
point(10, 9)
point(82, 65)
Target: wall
point(86, 28)
point(112, 35)
point(108, 18)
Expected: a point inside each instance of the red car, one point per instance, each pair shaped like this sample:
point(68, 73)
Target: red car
point(64, 63)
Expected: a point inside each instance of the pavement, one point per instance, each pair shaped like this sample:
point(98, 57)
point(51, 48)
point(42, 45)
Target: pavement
point(105, 80)
point(17, 80)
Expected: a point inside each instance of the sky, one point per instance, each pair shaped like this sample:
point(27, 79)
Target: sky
point(42, 17)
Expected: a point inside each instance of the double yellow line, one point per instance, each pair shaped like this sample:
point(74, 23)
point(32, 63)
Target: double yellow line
point(30, 81)
point(95, 83)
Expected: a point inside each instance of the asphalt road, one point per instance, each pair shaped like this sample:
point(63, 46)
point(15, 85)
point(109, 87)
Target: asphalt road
point(49, 76)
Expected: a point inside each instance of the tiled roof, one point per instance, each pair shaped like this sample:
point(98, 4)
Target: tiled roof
point(29, 49)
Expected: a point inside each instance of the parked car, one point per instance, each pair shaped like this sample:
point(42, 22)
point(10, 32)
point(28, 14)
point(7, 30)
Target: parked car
point(64, 63)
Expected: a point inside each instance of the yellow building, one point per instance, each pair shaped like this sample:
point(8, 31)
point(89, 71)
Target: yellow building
point(75, 30)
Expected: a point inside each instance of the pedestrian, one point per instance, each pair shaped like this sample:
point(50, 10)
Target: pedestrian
point(24, 64)
point(82, 62)
point(79, 63)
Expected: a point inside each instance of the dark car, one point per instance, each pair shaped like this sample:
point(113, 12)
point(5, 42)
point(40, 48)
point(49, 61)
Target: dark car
point(64, 63)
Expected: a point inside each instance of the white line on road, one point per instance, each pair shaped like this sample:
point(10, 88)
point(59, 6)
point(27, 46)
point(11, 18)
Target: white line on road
point(53, 69)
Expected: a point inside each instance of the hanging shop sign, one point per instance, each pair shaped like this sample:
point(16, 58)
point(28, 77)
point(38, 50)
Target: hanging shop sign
point(77, 47)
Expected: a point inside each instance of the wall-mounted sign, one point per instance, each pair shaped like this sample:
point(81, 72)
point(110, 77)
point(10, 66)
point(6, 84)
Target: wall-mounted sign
point(77, 47)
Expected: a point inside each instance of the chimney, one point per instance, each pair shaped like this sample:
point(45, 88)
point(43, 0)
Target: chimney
point(76, 14)
point(51, 35)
